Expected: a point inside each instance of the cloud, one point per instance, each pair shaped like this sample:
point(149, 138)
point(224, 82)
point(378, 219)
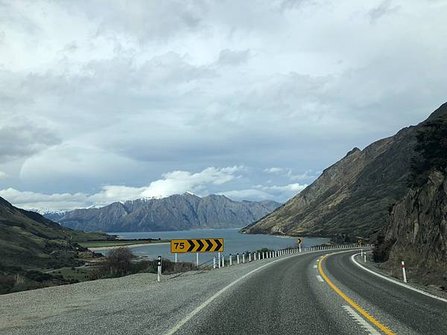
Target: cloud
point(230, 57)
point(175, 182)
point(307, 175)
point(274, 170)
point(384, 8)
point(261, 192)
point(24, 140)
point(3, 175)
point(129, 91)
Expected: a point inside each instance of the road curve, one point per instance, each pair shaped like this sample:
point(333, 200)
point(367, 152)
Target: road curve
point(285, 295)
point(290, 297)
point(404, 311)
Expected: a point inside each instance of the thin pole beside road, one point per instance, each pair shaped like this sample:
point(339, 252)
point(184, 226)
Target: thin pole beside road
point(158, 268)
point(404, 274)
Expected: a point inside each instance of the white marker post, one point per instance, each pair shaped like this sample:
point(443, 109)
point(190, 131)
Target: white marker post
point(218, 259)
point(243, 258)
point(214, 262)
point(197, 259)
point(403, 272)
point(231, 259)
point(249, 257)
point(175, 258)
point(159, 268)
point(364, 257)
point(223, 261)
point(299, 247)
point(237, 258)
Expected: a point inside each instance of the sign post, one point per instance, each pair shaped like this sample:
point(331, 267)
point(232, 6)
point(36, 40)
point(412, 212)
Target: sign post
point(299, 241)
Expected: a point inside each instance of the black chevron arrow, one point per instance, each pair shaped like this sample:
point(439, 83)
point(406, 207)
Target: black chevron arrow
point(219, 245)
point(191, 245)
point(210, 245)
point(201, 245)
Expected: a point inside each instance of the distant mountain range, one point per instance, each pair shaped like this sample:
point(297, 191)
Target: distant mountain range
point(177, 212)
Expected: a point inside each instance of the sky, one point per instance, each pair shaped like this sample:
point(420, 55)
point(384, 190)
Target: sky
point(104, 101)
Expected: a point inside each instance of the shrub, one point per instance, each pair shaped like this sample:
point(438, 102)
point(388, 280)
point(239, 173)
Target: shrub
point(119, 261)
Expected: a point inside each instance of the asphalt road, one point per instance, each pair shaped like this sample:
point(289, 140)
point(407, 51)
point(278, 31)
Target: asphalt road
point(399, 308)
point(285, 295)
point(289, 298)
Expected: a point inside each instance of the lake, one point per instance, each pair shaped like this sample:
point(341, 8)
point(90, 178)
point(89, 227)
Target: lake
point(234, 242)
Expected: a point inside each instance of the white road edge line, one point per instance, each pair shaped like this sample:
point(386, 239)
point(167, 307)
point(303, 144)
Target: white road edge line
point(207, 302)
point(395, 281)
point(362, 322)
point(320, 279)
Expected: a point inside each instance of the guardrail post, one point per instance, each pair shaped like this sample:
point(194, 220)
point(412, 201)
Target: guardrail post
point(249, 256)
point(158, 268)
point(231, 259)
point(243, 258)
point(223, 260)
point(214, 262)
point(403, 272)
point(197, 259)
point(237, 258)
point(219, 259)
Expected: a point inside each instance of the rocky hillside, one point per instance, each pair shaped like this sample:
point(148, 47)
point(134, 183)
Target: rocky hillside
point(417, 229)
point(177, 212)
point(353, 197)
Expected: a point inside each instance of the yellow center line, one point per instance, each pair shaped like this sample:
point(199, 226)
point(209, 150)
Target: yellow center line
point(356, 306)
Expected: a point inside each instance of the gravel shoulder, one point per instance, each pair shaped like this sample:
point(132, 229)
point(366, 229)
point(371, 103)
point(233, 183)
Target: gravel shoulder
point(135, 304)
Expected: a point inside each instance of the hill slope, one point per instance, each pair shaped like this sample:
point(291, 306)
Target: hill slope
point(29, 240)
point(353, 197)
point(177, 212)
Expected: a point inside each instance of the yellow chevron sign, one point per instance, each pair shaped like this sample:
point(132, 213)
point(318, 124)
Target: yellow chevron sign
point(197, 245)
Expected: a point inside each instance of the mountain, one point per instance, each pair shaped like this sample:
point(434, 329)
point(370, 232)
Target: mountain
point(29, 241)
point(177, 212)
point(417, 225)
point(352, 198)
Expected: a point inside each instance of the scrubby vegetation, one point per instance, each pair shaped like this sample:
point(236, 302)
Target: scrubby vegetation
point(430, 151)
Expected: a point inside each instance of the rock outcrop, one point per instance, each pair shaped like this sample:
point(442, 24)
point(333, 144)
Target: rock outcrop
point(417, 232)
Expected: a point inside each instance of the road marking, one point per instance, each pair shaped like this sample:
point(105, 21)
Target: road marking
point(315, 266)
point(320, 279)
point(207, 302)
point(351, 302)
point(361, 321)
point(395, 281)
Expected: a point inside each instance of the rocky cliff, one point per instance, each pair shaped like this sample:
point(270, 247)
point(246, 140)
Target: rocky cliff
point(417, 228)
point(177, 212)
point(353, 197)
point(417, 233)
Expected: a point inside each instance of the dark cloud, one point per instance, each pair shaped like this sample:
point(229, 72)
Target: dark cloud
point(24, 140)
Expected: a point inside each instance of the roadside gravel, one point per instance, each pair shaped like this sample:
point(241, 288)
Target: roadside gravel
point(135, 304)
